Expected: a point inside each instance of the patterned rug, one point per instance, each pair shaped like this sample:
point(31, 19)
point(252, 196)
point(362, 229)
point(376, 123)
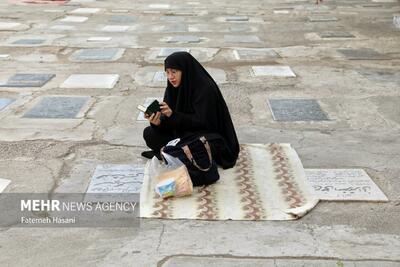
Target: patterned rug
point(267, 183)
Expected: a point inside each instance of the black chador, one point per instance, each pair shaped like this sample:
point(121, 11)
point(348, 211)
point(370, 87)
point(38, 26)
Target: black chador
point(198, 108)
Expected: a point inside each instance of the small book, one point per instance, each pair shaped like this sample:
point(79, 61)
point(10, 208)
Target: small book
point(152, 108)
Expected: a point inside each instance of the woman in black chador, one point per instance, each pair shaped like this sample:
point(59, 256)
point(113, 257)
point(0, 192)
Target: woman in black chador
point(193, 104)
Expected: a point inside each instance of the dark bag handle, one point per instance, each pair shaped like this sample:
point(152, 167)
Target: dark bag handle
point(189, 155)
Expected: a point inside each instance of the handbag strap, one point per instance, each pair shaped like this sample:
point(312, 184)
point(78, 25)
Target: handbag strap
point(189, 155)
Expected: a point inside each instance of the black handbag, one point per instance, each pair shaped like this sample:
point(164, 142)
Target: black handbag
point(195, 153)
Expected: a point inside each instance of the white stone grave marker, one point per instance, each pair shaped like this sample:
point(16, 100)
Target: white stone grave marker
point(3, 184)
point(106, 81)
point(85, 11)
point(99, 39)
point(115, 28)
point(277, 71)
point(115, 182)
point(344, 184)
point(76, 19)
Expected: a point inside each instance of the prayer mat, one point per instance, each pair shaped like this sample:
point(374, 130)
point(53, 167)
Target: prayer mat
point(267, 183)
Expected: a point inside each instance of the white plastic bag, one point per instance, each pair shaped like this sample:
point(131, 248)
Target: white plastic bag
point(172, 179)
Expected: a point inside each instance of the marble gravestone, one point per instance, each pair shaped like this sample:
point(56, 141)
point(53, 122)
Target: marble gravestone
point(275, 71)
point(28, 80)
point(115, 28)
point(4, 102)
point(159, 76)
point(97, 54)
point(396, 21)
point(343, 184)
point(241, 39)
point(322, 18)
point(362, 54)
point(99, 39)
point(172, 19)
point(115, 183)
point(122, 19)
point(336, 34)
point(29, 41)
point(165, 52)
point(235, 28)
point(183, 39)
point(74, 19)
point(253, 54)
point(3, 184)
point(237, 18)
point(9, 26)
point(57, 107)
point(63, 27)
point(106, 81)
point(296, 110)
point(175, 28)
point(85, 11)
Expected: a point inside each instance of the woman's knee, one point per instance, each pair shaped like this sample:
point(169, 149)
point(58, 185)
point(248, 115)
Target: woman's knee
point(148, 132)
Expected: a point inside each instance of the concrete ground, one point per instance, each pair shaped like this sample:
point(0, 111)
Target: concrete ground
point(360, 97)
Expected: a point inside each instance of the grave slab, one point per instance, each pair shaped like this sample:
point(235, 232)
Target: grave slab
point(164, 52)
point(8, 26)
point(336, 34)
point(362, 54)
point(120, 11)
point(381, 75)
point(276, 71)
point(239, 28)
point(122, 19)
point(254, 54)
point(172, 19)
point(175, 28)
point(105, 81)
point(344, 184)
point(53, 11)
point(296, 110)
point(5, 57)
point(57, 108)
point(99, 39)
point(29, 41)
point(74, 19)
point(322, 18)
point(183, 39)
point(396, 21)
point(159, 6)
point(241, 39)
point(115, 182)
point(28, 80)
point(36, 57)
point(100, 54)
point(115, 28)
point(85, 11)
point(159, 76)
point(236, 18)
point(4, 102)
point(63, 27)
point(283, 11)
point(3, 184)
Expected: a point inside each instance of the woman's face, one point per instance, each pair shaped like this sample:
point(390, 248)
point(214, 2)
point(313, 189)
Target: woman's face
point(174, 76)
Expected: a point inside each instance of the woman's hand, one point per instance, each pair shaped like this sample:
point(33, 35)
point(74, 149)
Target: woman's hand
point(154, 118)
point(165, 109)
